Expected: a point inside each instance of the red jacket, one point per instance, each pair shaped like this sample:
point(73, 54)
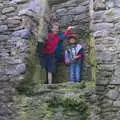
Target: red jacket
point(51, 43)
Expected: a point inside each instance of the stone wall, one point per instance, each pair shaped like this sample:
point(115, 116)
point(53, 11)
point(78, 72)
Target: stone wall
point(59, 102)
point(105, 28)
point(76, 13)
point(19, 25)
point(23, 22)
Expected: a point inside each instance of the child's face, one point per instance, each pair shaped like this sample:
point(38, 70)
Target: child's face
point(72, 40)
point(55, 28)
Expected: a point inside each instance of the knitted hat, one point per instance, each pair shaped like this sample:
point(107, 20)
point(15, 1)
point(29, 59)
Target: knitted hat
point(72, 36)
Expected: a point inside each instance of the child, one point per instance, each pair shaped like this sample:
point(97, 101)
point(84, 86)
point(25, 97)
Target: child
point(73, 58)
point(59, 53)
point(49, 49)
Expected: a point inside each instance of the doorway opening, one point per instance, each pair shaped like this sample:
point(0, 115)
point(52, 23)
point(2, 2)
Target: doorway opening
point(75, 13)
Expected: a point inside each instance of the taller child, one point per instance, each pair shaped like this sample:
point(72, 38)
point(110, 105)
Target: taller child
point(49, 49)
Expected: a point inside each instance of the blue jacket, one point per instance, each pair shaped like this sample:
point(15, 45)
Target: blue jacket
point(72, 51)
point(59, 48)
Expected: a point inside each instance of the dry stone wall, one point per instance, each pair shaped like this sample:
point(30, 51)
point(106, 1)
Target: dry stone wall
point(22, 23)
point(19, 25)
point(106, 27)
point(59, 102)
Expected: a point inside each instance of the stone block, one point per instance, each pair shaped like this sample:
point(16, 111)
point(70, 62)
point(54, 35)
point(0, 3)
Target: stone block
point(3, 118)
point(4, 37)
point(117, 72)
point(4, 78)
point(107, 67)
point(77, 10)
point(13, 21)
point(117, 3)
point(102, 82)
point(24, 33)
point(99, 5)
point(16, 70)
point(85, 3)
point(19, 1)
point(105, 57)
point(117, 26)
point(102, 33)
point(1, 5)
point(118, 114)
point(13, 61)
point(66, 20)
point(27, 12)
point(115, 81)
point(81, 17)
point(100, 88)
point(3, 17)
point(21, 43)
point(53, 2)
point(112, 15)
point(98, 15)
point(62, 11)
point(113, 94)
point(3, 28)
point(113, 12)
point(101, 26)
point(105, 41)
point(8, 10)
point(116, 103)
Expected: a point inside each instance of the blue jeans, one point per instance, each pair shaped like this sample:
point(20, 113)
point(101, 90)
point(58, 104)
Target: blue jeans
point(74, 72)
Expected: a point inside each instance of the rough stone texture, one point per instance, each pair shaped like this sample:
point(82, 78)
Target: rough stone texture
point(7, 107)
point(105, 32)
point(59, 101)
point(8, 10)
point(23, 22)
point(19, 24)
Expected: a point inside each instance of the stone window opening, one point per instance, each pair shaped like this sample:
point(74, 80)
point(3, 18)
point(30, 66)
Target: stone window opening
point(74, 13)
point(37, 15)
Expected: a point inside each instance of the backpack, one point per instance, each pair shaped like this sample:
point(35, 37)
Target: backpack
point(39, 50)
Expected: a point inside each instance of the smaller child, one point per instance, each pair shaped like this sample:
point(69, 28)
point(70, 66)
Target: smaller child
point(73, 58)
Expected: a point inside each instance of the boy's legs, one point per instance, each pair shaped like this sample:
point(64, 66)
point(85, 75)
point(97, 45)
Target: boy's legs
point(77, 72)
point(50, 78)
point(50, 67)
point(72, 72)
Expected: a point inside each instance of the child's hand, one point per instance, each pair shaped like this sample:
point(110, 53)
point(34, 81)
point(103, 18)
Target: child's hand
point(70, 27)
point(67, 62)
point(77, 56)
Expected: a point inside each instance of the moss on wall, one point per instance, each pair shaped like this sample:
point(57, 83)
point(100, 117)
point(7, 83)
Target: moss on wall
point(92, 57)
point(27, 83)
point(56, 102)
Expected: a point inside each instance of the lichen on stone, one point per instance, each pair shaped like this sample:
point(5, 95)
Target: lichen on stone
point(56, 102)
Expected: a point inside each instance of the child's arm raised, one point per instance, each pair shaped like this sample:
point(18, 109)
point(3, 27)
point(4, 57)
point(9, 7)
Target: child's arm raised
point(66, 33)
point(68, 29)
